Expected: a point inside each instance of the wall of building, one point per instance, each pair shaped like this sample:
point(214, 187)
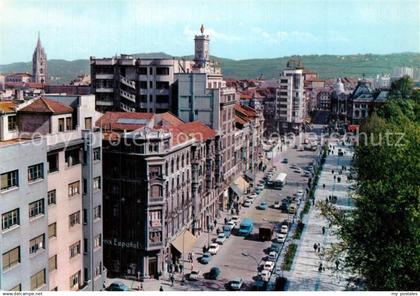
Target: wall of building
point(31, 123)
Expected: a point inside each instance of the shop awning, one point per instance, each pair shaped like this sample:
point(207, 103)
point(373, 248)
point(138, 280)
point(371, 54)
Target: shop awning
point(241, 183)
point(184, 242)
point(236, 189)
point(250, 175)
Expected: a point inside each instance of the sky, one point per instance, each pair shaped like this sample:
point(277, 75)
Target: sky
point(238, 29)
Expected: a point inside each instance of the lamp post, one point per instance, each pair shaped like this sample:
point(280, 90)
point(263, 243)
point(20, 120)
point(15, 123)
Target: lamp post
point(249, 255)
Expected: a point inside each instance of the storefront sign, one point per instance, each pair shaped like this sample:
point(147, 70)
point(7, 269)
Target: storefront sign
point(116, 243)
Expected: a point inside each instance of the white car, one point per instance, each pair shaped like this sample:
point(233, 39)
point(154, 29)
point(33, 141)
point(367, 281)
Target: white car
point(265, 275)
point(272, 256)
point(221, 238)
point(231, 224)
point(247, 203)
point(269, 265)
point(235, 219)
point(280, 237)
point(277, 205)
point(284, 229)
point(252, 197)
point(299, 193)
point(214, 248)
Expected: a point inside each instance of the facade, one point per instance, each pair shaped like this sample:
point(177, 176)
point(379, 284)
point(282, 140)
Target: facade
point(18, 77)
point(39, 64)
point(72, 203)
point(159, 190)
point(324, 99)
point(290, 98)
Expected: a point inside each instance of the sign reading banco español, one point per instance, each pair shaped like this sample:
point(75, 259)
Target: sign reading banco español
point(116, 243)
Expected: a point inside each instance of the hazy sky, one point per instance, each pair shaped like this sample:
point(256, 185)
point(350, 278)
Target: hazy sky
point(238, 29)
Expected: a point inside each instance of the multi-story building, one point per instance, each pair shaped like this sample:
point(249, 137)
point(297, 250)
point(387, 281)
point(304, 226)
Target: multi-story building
point(324, 99)
point(18, 77)
point(159, 190)
point(71, 206)
point(290, 99)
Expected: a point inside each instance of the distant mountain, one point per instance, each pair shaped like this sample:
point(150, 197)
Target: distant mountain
point(328, 66)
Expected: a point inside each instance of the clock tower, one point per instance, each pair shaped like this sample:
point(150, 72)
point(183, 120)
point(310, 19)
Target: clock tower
point(201, 56)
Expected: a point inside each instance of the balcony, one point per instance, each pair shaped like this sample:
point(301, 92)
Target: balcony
point(162, 91)
point(104, 76)
point(104, 103)
point(127, 108)
point(156, 200)
point(127, 82)
point(162, 106)
point(127, 95)
point(104, 90)
point(143, 91)
point(143, 105)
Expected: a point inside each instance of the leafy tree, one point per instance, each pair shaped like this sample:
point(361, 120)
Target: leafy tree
point(402, 88)
point(381, 237)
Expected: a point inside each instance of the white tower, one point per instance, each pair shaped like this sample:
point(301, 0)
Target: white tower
point(39, 64)
point(201, 56)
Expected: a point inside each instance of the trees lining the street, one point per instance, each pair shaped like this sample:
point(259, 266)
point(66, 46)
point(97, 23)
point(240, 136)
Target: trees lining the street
point(381, 236)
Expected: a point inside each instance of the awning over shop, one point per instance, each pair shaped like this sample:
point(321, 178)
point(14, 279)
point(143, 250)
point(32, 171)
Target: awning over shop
point(236, 189)
point(184, 242)
point(250, 175)
point(241, 183)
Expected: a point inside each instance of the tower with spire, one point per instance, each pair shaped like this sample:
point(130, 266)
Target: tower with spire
point(201, 53)
point(39, 64)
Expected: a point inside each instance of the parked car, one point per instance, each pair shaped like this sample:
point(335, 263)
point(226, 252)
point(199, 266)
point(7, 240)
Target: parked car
point(214, 248)
point(231, 225)
point(284, 229)
point(299, 193)
point(117, 286)
point(269, 265)
point(285, 160)
point(235, 219)
point(236, 284)
point(272, 256)
point(260, 186)
point(277, 205)
point(265, 275)
point(221, 238)
point(292, 208)
point(214, 273)
point(262, 206)
point(194, 275)
point(251, 198)
point(247, 203)
point(205, 258)
point(280, 237)
point(275, 247)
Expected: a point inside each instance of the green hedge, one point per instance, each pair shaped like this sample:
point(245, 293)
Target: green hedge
point(289, 256)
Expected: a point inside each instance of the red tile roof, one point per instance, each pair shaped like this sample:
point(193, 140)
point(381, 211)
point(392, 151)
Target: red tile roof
point(240, 120)
point(198, 130)
point(7, 107)
point(167, 118)
point(43, 105)
point(245, 110)
point(124, 121)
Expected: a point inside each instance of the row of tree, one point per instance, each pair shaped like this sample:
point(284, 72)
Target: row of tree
point(381, 237)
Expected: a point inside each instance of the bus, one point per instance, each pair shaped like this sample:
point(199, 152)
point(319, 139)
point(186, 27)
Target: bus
point(279, 181)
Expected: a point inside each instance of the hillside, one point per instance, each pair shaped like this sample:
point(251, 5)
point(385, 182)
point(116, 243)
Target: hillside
point(328, 66)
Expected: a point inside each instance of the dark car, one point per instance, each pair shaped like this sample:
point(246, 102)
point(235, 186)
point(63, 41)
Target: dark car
point(205, 258)
point(285, 160)
point(214, 273)
point(117, 286)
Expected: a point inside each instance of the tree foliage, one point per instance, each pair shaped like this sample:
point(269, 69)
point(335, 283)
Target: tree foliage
point(381, 237)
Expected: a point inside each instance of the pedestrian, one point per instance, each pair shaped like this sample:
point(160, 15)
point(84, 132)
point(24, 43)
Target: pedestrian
point(323, 185)
point(141, 287)
point(323, 230)
point(215, 222)
point(181, 267)
point(319, 247)
point(172, 279)
point(161, 289)
point(320, 267)
point(334, 177)
point(204, 249)
point(313, 201)
point(226, 221)
point(315, 247)
point(333, 172)
point(337, 263)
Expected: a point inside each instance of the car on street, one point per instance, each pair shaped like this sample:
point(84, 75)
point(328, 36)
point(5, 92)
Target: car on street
point(292, 208)
point(247, 203)
point(272, 256)
point(277, 204)
point(307, 174)
point(230, 225)
point(261, 182)
point(284, 229)
point(285, 160)
point(299, 193)
point(294, 166)
point(221, 238)
point(265, 275)
point(275, 247)
point(117, 286)
point(251, 198)
point(194, 275)
point(262, 206)
point(236, 283)
point(214, 273)
point(235, 219)
point(280, 237)
point(260, 186)
point(205, 258)
point(269, 265)
point(214, 248)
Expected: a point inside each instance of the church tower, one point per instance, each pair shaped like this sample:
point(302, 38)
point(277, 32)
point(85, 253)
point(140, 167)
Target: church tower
point(201, 56)
point(39, 64)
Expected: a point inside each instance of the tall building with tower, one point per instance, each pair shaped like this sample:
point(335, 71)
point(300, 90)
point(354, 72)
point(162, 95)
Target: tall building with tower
point(39, 64)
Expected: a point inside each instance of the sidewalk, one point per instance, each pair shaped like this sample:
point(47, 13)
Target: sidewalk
point(305, 274)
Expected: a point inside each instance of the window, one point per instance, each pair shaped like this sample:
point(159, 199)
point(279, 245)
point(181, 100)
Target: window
point(12, 123)
point(74, 188)
point(143, 85)
point(74, 219)
point(52, 263)
point(11, 258)
point(85, 216)
point(97, 212)
point(35, 172)
point(52, 162)
point(154, 171)
point(9, 180)
point(17, 288)
point(88, 122)
point(52, 230)
point(72, 157)
point(36, 208)
point(74, 280)
point(74, 249)
point(97, 183)
point(154, 147)
point(36, 244)
point(98, 269)
point(98, 241)
point(10, 219)
point(69, 123)
point(155, 218)
point(156, 191)
point(38, 280)
point(143, 70)
point(52, 198)
point(162, 71)
point(97, 153)
point(61, 124)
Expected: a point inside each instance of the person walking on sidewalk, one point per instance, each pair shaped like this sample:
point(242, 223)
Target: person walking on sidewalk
point(319, 247)
point(172, 280)
point(315, 247)
point(323, 230)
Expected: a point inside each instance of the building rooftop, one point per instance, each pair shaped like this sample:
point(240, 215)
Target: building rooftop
point(124, 121)
point(198, 130)
point(44, 105)
point(8, 107)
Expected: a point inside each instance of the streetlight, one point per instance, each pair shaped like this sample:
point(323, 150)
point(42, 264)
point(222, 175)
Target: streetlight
point(249, 255)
